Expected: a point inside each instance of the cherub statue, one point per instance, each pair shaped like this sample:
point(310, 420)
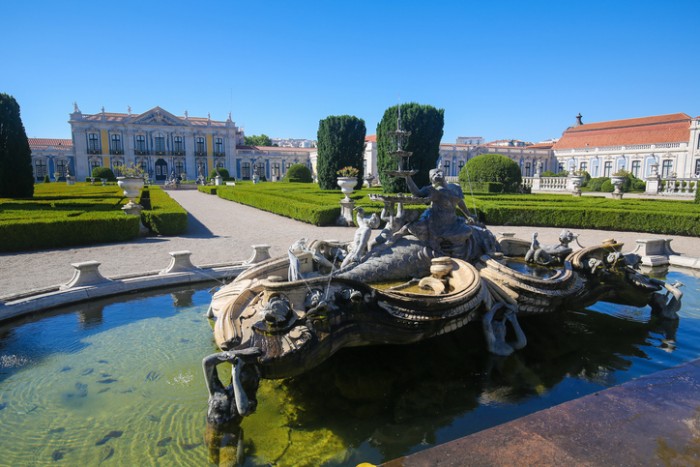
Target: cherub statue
point(365, 224)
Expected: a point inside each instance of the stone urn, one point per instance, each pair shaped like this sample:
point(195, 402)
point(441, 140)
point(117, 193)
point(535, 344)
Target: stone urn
point(575, 182)
point(347, 186)
point(132, 187)
point(617, 182)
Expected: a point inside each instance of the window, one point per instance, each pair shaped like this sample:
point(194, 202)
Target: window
point(528, 168)
point(140, 144)
point(160, 144)
point(446, 168)
point(178, 145)
point(607, 168)
point(199, 146)
point(583, 167)
point(60, 168)
point(697, 166)
point(260, 169)
point(93, 143)
point(40, 169)
point(276, 169)
point(666, 168)
point(245, 170)
point(179, 167)
point(93, 164)
point(461, 165)
point(219, 146)
point(288, 164)
point(116, 144)
point(636, 166)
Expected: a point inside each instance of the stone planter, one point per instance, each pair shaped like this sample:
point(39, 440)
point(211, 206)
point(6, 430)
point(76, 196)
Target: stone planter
point(575, 182)
point(347, 186)
point(132, 187)
point(617, 182)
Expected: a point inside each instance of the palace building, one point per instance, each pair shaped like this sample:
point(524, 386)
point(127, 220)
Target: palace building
point(156, 140)
point(667, 143)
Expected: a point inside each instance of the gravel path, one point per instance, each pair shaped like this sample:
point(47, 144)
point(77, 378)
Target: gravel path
point(222, 231)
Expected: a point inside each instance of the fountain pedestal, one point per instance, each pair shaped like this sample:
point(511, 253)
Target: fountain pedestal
point(346, 208)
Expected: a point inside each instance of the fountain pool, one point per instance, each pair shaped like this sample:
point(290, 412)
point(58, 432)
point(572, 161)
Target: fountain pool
point(120, 381)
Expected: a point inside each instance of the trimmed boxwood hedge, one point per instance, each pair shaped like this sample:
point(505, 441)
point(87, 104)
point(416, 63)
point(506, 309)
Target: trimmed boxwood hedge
point(278, 203)
point(83, 228)
point(166, 216)
point(632, 214)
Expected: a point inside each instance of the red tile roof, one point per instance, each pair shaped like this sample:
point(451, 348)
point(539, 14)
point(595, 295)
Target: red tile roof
point(44, 143)
point(371, 138)
point(672, 128)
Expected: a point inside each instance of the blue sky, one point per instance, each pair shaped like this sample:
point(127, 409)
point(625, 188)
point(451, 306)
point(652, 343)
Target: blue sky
point(500, 69)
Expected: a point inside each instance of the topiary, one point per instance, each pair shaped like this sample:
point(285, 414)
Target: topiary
point(47, 179)
point(103, 172)
point(298, 173)
point(491, 168)
point(221, 171)
point(607, 186)
point(697, 192)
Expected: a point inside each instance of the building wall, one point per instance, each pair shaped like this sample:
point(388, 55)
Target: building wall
point(156, 140)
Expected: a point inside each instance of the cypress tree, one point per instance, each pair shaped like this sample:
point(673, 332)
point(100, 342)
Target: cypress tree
point(340, 143)
point(425, 123)
point(16, 178)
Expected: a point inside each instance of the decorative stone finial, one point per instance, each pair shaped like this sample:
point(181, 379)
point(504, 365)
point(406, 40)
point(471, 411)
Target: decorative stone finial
point(579, 119)
point(128, 108)
point(75, 107)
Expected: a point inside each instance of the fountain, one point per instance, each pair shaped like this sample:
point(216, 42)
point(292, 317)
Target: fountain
point(421, 278)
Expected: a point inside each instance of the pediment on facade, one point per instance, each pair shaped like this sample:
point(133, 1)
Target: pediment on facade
point(158, 116)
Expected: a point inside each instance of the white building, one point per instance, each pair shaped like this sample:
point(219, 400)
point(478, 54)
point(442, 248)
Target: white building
point(156, 140)
point(638, 145)
point(52, 157)
point(454, 156)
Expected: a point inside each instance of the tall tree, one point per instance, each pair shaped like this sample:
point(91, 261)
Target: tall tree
point(341, 143)
point(258, 140)
point(16, 178)
point(425, 123)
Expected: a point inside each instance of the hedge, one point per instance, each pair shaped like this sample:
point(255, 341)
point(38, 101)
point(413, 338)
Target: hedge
point(82, 228)
point(166, 216)
point(642, 215)
point(278, 203)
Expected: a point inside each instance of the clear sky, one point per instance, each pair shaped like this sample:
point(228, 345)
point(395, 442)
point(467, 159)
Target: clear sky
point(500, 69)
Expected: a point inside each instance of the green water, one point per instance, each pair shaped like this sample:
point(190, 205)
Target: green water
point(120, 383)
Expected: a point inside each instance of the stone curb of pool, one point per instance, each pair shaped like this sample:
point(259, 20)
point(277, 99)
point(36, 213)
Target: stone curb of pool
point(88, 284)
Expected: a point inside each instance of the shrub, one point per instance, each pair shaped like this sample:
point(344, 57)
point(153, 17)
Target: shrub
point(607, 186)
point(223, 172)
point(491, 168)
point(103, 172)
point(638, 185)
point(697, 193)
point(299, 173)
point(595, 184)
point(47, 179)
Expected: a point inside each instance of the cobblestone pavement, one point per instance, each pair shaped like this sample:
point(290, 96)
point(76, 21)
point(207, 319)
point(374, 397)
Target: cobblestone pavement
point(222, 231)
